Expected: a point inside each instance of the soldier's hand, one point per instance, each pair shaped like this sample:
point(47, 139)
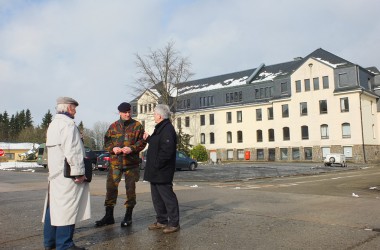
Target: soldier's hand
point(117, 150)
point(127, 150)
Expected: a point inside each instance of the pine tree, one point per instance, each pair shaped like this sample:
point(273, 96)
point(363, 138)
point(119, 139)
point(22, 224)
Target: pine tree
point(46, 120)
point(183, 142)
point(28, 119)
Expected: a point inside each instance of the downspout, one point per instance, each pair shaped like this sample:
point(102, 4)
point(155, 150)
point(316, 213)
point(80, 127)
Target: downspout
point(362, 130)
point(361, 116)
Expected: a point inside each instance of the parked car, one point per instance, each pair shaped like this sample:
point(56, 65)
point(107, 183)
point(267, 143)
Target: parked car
point(91, 156)
point(182, 161)
point(332, 158)
point(99, 152)
point(103, 161)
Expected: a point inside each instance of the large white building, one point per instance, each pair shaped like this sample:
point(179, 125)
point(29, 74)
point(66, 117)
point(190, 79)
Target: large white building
point(293, 111)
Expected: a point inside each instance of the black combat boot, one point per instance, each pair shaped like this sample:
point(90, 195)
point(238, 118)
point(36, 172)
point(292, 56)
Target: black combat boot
point(107, 219)
point(127, 218)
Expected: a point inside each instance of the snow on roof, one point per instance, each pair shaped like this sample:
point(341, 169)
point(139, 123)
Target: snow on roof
point(208, 87)
point(15, 146)
point(330, 64)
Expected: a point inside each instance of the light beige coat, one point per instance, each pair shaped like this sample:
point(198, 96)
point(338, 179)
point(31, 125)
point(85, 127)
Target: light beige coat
point(69, 202)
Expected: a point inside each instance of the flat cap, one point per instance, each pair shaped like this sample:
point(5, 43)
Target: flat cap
point(124, 107)
point(66, 100)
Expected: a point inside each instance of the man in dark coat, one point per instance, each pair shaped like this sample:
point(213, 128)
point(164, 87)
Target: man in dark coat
point(159, 171)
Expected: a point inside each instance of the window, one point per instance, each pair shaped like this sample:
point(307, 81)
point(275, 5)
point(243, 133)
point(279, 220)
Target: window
point(9, 156)
point(234, 97)
point(211, 119)
point(347, 151)
point(203, 121)
point(295, 153)
point(271, 134)
point(257, 94)
point(230, 154)
point(286, 133)
point(344, 106)
point(283, 153)
point(259, 115)
point(240, 154)
point(343, 80)
point(187, 121)
point(188, 103)
point(324, 131)
point(239, 116)
point(239, 136)
point(307, 84)
point(141, 109)
point(305, 132)
point(285, 110)
point(308, 153)
point(259, 135)
point(270, 113)
point(284, 87)
point(179, 122)
point(323, 106)
point(212, 138)
point(303, 108)
point(150, 108)
point(373, 131)
point(316, 83)
point(346, 130)
point(145, 108)
point(325, 82)
point(229, 137)
point(229, 117)
point(134, 109)
point(298, 86)
point(203, 138)
point(325, 152)
point(260, 154)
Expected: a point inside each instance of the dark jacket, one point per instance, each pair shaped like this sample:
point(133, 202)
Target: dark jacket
point(125, 133)
point(160, 159)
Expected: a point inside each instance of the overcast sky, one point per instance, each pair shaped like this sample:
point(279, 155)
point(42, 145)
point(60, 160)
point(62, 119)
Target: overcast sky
point(86, 49)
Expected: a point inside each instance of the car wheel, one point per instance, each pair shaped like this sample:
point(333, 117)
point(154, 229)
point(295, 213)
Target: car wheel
point(192, 167)
point(332, 160)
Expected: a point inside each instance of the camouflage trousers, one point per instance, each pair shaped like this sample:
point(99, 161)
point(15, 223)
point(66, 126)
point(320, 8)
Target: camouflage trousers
point(115, 173)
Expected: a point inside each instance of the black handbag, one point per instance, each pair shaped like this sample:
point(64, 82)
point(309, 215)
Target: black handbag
point(87, 166)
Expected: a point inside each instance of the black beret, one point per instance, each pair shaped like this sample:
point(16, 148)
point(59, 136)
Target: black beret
point(66, 100)
point(124, 107)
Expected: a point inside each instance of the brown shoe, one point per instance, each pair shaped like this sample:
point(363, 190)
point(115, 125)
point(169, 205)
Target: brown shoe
point(168, 229)
point(157, 225)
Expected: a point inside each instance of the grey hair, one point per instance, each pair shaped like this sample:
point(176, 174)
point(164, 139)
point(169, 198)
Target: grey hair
point(163, 110)
point(62, 107)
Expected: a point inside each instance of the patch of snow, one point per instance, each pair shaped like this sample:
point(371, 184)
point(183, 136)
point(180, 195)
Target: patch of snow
point(17, 164)
point(355, 195)
point(330, 64)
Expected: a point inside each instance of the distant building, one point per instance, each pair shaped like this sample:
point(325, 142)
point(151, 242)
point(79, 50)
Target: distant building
point(17, 151)
point(299, 110)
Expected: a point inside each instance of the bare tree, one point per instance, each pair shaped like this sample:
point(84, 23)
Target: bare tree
point(99, 130)
point(162, 70)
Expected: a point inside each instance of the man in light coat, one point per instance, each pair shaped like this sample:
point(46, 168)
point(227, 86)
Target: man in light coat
point(67, 200)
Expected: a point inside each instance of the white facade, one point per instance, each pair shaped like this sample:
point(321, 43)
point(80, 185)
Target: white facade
point(321, 119)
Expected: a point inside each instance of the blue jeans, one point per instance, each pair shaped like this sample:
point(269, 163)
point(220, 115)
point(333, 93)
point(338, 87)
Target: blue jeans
point(61, 237)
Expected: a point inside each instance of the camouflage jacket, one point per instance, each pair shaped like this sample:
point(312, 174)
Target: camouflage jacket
point(125, 133)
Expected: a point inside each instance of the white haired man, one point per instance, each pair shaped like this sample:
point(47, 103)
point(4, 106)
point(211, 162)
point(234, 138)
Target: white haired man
point(67, 200)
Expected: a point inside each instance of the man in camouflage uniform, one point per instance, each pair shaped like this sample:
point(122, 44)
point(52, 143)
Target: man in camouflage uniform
point(124, 140)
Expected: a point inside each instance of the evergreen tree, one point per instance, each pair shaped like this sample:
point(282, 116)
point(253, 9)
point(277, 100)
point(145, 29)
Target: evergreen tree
point(46, 120)
point(28, 119)
point(4, 127)
point(183, 142)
